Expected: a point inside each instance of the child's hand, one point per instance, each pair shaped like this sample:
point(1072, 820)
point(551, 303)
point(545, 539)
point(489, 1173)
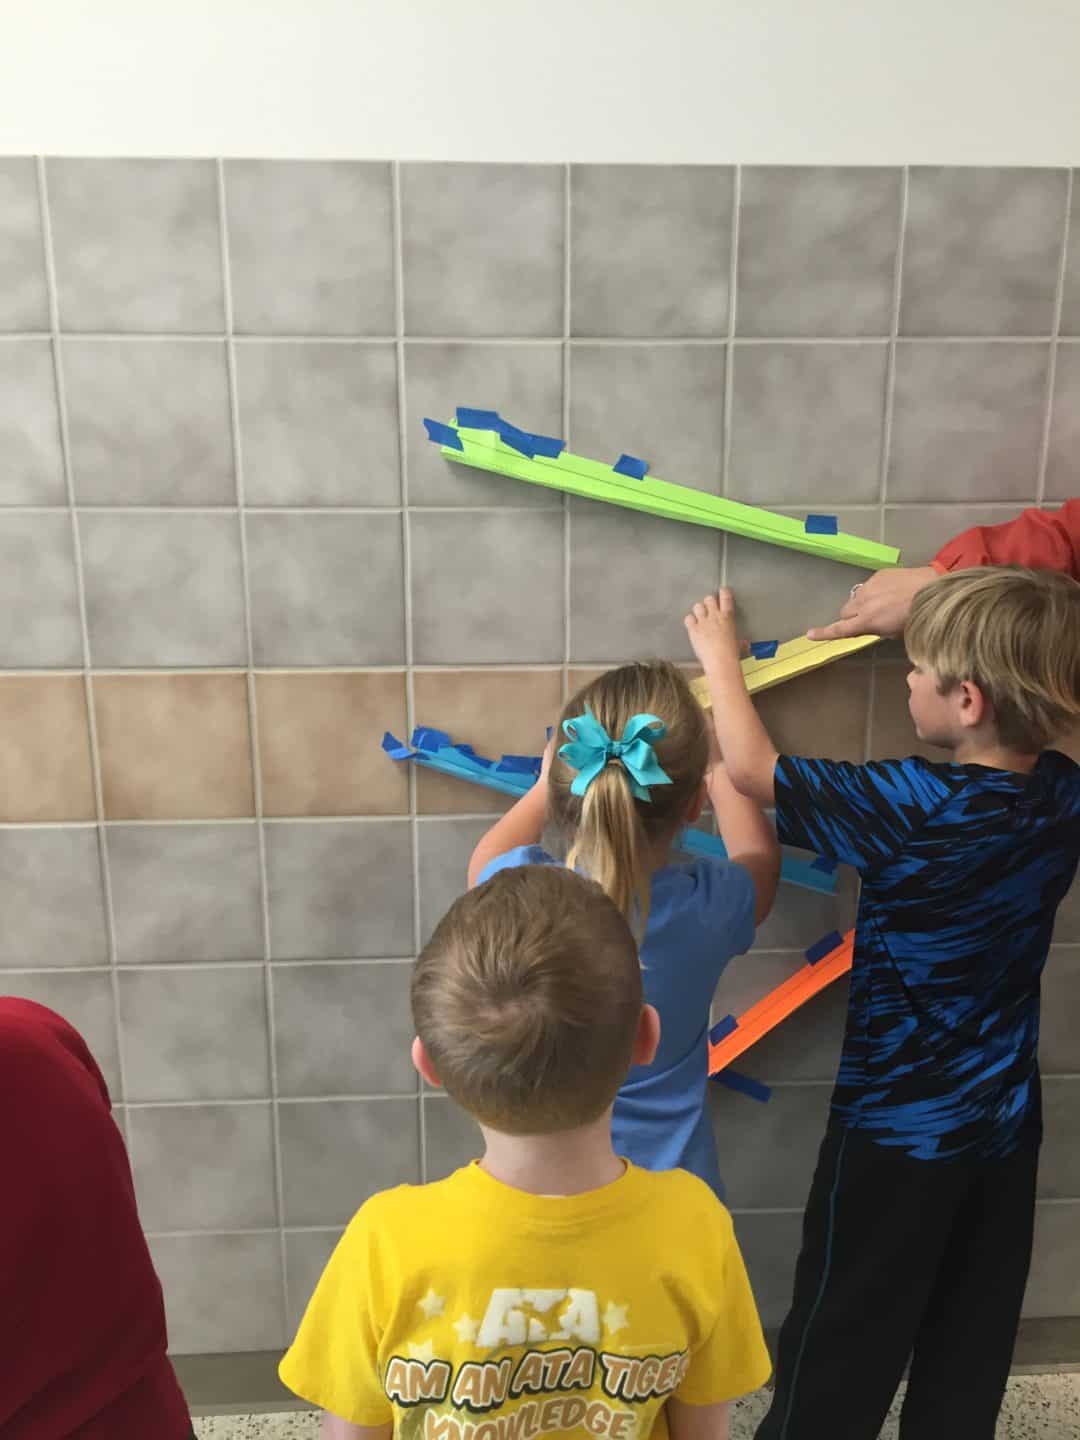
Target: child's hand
point(711, 628)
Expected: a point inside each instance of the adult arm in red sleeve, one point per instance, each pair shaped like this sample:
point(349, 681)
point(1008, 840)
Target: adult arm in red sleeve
point(1040, 539)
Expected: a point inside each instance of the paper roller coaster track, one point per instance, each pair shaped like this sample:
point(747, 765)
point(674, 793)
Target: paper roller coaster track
point(592, 480)
point(756, 1022)
point(793, 657)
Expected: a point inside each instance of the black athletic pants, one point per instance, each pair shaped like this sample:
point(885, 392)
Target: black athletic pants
point(904, 1259)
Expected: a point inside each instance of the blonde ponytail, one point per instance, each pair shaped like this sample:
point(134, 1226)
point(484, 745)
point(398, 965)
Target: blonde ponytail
point(611, 846)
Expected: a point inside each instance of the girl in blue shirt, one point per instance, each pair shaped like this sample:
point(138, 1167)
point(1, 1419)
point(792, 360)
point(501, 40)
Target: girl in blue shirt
point(639, 761)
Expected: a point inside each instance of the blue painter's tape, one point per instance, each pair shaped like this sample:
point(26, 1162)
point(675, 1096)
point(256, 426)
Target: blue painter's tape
point(478, 419)
point(823, 947)
point(722, 1029)
point(395, 748)
point(744, 1085)
point(821, 525)
point(632, 466)
point(548, 446)
point(519, 765)
point(825, 864)
point(763, 649)
point(519, 440)
point(425, 738)
point(443, 434)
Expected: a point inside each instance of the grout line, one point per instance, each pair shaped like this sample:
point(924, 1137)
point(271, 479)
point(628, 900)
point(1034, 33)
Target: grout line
point(397, 247)
point(253, 738)
point(890, 362)
point(84, 626)
point(567, 299)
point(252, 1101)
point(1051, 369)
point(729, 361)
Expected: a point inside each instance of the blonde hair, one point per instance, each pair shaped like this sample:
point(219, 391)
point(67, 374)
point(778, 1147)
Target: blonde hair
point(527, 999)
point(1014, 633)
point(608, 832)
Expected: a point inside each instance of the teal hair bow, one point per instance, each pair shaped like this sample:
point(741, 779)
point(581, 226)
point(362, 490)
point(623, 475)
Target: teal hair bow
point(591, 747)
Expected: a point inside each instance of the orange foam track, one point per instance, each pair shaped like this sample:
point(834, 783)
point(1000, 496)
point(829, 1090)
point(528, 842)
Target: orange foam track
point(782, 1002)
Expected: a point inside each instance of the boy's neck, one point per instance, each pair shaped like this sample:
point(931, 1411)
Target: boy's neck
point(982, 750)
point(569, 1162)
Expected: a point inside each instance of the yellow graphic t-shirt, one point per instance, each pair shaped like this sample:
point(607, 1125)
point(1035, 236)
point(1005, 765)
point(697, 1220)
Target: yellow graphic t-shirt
point(467, 1310)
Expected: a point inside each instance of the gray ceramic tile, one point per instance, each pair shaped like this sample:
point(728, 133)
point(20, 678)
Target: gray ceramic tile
point(38, 595)
point(326, 589)
point(163, 589)
point(1063, 458)
point(1059, 1162)
point(222, 1292)
point(982, 250)
point(149, 422)
point(33, 466)
point(1070, 309)
point(195, 1034)
point(319, 424)
point(310, 247)
point(650, 249)
point(486, 587)
point(85, 1000)
point(137, 244)
point(360, 1015)
point(778, 592)
point(806, 423)
point(185, 892)
point(335, 1154)
point(1060, 1026)
point(444, 848)
point(770, 1246)
point(482, 249)
point(1067, 927)
point(340, 889)
point(817, 250)
point(1054, 1281)
point(807, 1045)
point(801, 917)
point(522, 382)
point(920, 531)
point(203, 1167)
point(662, 403)
point(54, 911)
point(768, 1152)
point(614, 616)
point(24, 300)
point(968, 417)
point(452, 1138)
point(306, 1254)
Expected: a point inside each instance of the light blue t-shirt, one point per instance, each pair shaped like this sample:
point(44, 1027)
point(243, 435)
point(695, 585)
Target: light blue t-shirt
point(700, 915)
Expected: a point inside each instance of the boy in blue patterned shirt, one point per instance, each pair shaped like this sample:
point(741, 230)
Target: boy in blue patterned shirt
point(918, 1229)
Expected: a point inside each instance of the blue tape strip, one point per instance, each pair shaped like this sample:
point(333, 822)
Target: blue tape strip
point(519, 765)
point(519, 440)
point(548, 446)
point(822, 947)
point(443, 434)
point(744, 1085)
point(826, 864)
point(722, 1029)
point(395, 748)
point(478, 419)
point(632, 466)
point(425, 738)
point(763, 649)
point(821, 525)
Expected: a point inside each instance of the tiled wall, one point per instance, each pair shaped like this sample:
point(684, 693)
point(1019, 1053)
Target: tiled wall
point(229, 560)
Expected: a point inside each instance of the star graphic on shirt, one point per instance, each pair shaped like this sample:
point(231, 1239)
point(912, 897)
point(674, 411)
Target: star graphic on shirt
point(467, 1329)
point(615, 1318)
point(432, 1304)
point(425, 1352)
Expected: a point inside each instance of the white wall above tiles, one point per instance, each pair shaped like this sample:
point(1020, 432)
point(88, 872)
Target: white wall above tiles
point(779, 81)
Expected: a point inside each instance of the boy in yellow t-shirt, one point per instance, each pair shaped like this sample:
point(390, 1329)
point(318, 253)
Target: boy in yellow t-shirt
point(550, 1288)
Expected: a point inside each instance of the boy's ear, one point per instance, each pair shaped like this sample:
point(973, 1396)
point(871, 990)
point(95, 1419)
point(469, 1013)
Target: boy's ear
point(648, 1036)
point(422, 1060)
point(972, 705)
point(697, 805)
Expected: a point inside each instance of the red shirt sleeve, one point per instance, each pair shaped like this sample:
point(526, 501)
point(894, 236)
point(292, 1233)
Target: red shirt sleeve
point(1040, 539)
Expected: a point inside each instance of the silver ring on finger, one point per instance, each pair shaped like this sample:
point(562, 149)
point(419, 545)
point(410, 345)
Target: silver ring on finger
point(855, 589)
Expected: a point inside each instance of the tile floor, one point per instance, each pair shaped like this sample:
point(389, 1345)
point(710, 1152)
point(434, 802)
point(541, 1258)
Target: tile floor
point(1037, 1407)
